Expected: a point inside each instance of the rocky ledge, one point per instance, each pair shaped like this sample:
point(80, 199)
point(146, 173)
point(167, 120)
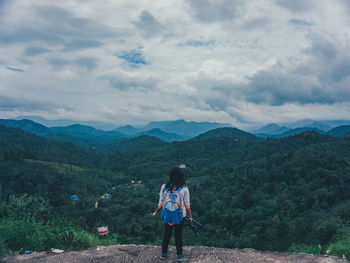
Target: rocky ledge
point(145, 253)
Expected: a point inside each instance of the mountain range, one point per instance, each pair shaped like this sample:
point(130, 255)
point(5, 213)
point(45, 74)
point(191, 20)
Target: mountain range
point(84, 135)
point(282, 130)
point(167, 131)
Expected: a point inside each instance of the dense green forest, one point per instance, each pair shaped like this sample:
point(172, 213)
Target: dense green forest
point(288, 194)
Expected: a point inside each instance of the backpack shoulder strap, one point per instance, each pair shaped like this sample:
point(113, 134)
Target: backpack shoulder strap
point(179, 189)
point(163, 200)
point(168, 191)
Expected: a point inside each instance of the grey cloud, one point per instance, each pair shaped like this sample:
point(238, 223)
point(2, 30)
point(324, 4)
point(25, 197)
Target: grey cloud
point(276, 88)
point(346, 3)
point(272, 87)
point(331, 62)
point(3, 6)
point(218, 10)
point(80, 44)
point(89, 63)
point(299, 22)
point(55, 14)
point(22, 104)
point(220, 103)
point(25, 61)
point(58, 62)
point(198, 43)
point(341, 69)
point(239, 115)
point(325, 79)
point(217, 103)
point(2, 3)
point(148, 25)
point(322, 49)
point(128, 83)
point(35, 51)
point(55, 25)
point(296, 6)
point(25, 34)
point(124, 81)
point(64, 23)
point(3, 61)
point(80, 23)
point(256, 23)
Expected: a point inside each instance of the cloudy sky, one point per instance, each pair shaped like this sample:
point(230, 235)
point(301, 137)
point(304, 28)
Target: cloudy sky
point(135, 61)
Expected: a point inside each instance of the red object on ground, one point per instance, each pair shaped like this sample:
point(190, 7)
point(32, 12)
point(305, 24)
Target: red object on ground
point(103, 230)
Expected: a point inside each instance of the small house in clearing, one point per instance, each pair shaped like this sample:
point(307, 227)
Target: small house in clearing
point(106, 196)
point(74, 197)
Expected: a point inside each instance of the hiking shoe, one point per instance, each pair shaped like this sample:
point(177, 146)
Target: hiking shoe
point(163, 256)
point(180, 257)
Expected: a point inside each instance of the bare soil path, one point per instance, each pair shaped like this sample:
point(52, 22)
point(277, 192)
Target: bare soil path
point(143, 253)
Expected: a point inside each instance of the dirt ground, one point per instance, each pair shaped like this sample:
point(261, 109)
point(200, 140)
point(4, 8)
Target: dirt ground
point(141, 253)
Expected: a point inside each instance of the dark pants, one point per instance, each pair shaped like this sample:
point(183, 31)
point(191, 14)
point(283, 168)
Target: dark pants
point(168, 230)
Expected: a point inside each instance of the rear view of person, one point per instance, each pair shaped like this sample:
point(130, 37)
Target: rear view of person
point(174, 202)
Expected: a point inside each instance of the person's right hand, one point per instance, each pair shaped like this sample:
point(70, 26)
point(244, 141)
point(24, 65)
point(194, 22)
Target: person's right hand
point(154, 213)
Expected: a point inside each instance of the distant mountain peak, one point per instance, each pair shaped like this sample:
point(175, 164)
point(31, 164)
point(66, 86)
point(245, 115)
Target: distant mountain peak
point(76, 128)
point(165, 136)
point(340, 131)
point(224, 132)
point(270, 129)
point(80, 126)
point(320, 125)
point(128, 130)
point(184, 128)
point(26, 125)
point(156, 130)
point(296, 131)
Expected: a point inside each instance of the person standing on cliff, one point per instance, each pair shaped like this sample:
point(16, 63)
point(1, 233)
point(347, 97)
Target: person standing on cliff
point(174, 200)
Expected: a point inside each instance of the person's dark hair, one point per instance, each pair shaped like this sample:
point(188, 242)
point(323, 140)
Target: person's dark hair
point(176, 178)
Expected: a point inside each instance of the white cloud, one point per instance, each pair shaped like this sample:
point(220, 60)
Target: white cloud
point(243, 62)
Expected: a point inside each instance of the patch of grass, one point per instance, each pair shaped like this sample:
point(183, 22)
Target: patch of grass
point(59, 167)
point(28, 224)
point(25, 234)
point(3, 247)
point(307, 249)
point(19, 235)
point(340, 248)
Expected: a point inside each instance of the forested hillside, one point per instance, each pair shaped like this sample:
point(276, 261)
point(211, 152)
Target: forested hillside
point(270, 194)
point(17, 144)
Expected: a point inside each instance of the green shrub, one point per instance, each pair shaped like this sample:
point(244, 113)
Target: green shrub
point(340, 248)
point(3, 247)
point(28, 224)
point(28, 206)
point(24, 234)
point(307, 249)
point(19, 235)
point(72, 238)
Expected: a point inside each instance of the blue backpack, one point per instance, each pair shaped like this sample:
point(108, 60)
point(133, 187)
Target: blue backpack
point(172, 207)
